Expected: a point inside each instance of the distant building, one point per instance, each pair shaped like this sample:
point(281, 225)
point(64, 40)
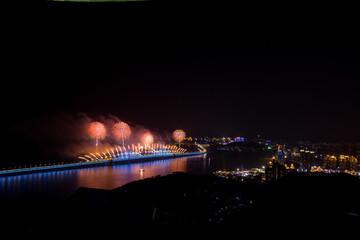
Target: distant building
point(341, 162)
point(280, 154)
point(239, 139)
point(330, 162)
point(309, 157)
point(274, 170)
point(348, 162)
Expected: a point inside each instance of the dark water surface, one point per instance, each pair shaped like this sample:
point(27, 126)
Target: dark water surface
point(53, 186)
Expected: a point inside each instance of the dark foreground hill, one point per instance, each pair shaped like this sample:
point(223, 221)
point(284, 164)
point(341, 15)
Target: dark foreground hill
point(181, 204)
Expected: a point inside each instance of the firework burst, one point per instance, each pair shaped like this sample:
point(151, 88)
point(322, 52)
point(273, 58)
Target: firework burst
point(121, 130)
point(179, 135)
point(147, 139)
point(97, 131)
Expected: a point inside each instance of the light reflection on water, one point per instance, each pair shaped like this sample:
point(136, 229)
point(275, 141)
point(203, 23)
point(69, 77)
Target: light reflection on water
point(57, 185)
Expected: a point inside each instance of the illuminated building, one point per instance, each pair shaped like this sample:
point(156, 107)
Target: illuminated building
point(318, 169)
point(239, 139)
point(342, 162)
point(280, 154)
point(347, 162)
point(330, 162)
point(290, 169)
point(308, 156)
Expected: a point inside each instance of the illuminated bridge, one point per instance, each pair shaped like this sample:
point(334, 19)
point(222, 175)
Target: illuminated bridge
point(113, 156)
point(119, 153)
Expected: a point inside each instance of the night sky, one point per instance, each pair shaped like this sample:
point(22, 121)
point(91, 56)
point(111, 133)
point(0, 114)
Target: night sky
point(212, 70)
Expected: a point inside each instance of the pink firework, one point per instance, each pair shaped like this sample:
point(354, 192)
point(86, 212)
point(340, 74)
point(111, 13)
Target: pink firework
point(97, 131)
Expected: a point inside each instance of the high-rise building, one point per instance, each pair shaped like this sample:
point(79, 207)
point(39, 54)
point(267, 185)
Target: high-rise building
point(274, 170)
point(341, 162)
point(330, 162)
point(239, 139)
point(347, 162)
point(280, 154)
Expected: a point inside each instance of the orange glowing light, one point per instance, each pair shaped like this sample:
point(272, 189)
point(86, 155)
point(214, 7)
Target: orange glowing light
point(147, 139)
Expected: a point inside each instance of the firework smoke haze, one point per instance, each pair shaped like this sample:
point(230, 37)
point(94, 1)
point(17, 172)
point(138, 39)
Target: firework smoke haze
point(57, 136)
point(63, 136)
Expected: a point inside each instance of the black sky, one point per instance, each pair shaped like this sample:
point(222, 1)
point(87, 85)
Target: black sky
point(212, 70)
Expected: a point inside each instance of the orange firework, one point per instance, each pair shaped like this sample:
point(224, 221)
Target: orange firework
point(147, 139)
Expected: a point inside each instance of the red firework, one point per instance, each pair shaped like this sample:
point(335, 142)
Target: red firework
point(121, 130)
point(179, 135)
point(97, 131)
